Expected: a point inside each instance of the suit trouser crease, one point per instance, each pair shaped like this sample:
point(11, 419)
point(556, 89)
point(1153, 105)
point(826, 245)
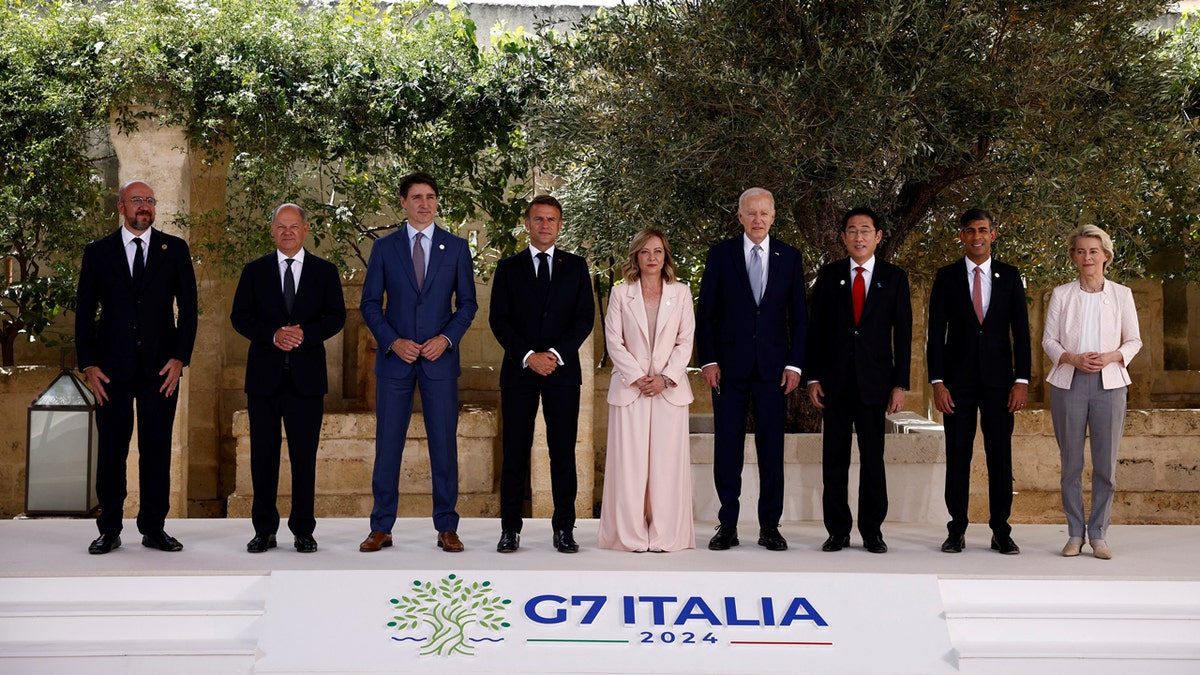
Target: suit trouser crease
point(114, 429)
point(560, 410)
point(1088, 410)
point(990, 407)
point(868, 422)
point(301, 416)
point(393, 405)
point(730, 409)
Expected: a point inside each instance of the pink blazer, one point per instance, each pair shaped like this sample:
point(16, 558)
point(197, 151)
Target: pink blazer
point(1118, 330)
point(628, 339)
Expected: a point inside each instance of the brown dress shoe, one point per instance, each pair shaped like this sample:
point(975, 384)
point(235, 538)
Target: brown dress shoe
point(375, 541)
point(449, 542)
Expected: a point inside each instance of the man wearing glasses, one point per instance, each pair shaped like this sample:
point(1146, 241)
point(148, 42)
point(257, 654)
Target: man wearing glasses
point(133, 349)
point(859, 356)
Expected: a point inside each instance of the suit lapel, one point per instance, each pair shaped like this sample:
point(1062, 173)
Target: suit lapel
point(739, 262)
point(437, 250)
point(638, 306)
point(962, 288)
point(773, 271)
point(667, 306)
point(405, 253)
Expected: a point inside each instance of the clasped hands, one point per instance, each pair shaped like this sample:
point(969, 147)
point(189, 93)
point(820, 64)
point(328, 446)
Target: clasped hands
point(409, 350)
point(1092, 362)
point(288, 338)
point(542, 363)
point(171, 373)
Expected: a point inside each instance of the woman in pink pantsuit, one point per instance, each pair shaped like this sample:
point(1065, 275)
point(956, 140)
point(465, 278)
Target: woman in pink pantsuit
point(647, 477)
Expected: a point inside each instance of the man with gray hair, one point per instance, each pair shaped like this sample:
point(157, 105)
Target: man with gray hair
point(750, 332)
point(287, 304)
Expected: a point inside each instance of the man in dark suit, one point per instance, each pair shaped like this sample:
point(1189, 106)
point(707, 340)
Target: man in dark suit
point(541, 312)
point(859, 355)
point(979, 364)
point(133, 349)
point(424, 272)
point(287, 304)
point(750, 331)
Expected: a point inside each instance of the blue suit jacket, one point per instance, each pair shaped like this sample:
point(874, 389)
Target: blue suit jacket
point(445, 305)
point(739, 336)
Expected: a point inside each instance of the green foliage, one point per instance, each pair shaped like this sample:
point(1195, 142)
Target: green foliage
point(329, 106)
point(1047, 113)
point(51, 112)
point(449, 608)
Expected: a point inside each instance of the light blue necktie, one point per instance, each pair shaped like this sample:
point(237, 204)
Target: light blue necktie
point(756, 273)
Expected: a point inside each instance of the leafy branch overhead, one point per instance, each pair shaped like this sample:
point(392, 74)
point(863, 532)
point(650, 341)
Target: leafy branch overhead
point(1049, 114)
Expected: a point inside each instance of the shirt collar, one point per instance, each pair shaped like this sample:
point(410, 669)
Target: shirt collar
point(985, 267)
point(748, 245)
point(868, 266)
point(127, 237)
point(534, 252)
point(412, 231)
point(280, 257)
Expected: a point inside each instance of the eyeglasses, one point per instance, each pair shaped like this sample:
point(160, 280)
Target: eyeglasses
point(866, 232)
point(142, 201)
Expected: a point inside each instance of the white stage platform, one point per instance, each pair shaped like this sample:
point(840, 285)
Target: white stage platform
point(213, 608)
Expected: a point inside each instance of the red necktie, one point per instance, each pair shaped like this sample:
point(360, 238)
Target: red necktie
point(858, 293)
point(977, 295)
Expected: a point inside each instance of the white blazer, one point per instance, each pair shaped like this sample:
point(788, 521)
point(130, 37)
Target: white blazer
point(628, 339)
point(1118, 331)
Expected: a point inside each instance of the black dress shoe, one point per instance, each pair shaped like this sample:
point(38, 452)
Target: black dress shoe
point(1005, 545)
point(305, 543)
point(875, 544)
point(725, 537)
point(954, 543)
point(104, 543)
point(510, 541)
point(564, 541)
point(835, 543)
point(161, 541)
point(770, 537)
point(260, 543)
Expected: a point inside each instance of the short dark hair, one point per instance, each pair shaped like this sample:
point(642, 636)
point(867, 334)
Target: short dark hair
point(860, 211)
point(418, 178)
point(543, 199)
point(973, 215)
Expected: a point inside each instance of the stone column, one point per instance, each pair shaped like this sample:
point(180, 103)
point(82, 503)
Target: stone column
point(157, 155)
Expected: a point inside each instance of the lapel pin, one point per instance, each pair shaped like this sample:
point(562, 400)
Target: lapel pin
point(996, 274)
point(441, 247)
point(878, 284)
point(842, 282)
point(164, 247)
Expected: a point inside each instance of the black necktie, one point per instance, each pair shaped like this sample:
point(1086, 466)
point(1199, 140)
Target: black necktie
point(139, 262)
point(543, 270)
point(289, 286)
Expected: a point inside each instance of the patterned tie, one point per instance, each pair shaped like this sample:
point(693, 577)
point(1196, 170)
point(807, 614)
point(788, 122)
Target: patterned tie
point(289, 286)
point(977, 294)
point(858, 293)
point(139, 262)
point(756, 273)
point(418, 257)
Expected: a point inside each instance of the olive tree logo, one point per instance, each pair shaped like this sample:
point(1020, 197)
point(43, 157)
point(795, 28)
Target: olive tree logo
point(449, 608)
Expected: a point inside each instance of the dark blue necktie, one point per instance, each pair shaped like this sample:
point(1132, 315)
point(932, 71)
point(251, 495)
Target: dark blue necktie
point(139, 261)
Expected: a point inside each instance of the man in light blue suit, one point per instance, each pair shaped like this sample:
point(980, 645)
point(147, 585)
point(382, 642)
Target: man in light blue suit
point(425, 274)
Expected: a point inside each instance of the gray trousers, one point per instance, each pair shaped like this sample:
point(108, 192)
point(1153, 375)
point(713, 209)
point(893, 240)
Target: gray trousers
point(1088, 409)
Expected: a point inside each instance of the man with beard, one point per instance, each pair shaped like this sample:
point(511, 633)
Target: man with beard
point(133, 349)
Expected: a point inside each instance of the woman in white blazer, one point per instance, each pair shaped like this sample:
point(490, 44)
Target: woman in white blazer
point(1091, 335)
point(649, 327)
